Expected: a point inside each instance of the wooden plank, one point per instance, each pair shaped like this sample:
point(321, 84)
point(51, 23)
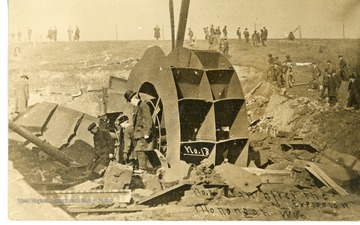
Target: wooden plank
point(269, 176)
point(328, 180)
point(259, 171)
point(313, 172)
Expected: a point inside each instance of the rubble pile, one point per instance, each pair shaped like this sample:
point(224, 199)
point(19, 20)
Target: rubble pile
point(204, 174)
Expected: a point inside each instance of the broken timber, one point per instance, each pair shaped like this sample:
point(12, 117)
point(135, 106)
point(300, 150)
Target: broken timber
point(300, 84)
point(270, 176)
point(317, 172)
point(254, 89)
point(44, 145)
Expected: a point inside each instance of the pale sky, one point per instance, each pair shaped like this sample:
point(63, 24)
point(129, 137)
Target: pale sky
point(135, 19)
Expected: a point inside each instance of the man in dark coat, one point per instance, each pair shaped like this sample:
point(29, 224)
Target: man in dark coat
point(50, 34)
point(103, 143)
point(354, 91)
point(70, 32)
point(262, 37)
point(144, 130)
point(22, 94)
point(157, 32)
point(333, 86)
point(255, 38)
point(55, 33)
point(127, 143)
point(325, 81)
point(212, 29)
point(225, 32)
point(29, 34)
point(246, 35)
point(238, 33)
point(316, 73)
point(288, 71)
point(271, 62)
point(278, 75)
point(77, 34)
point(343, 70)
point(265, 34)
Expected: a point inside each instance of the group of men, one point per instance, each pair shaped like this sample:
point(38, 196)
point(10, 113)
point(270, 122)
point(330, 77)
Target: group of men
point(215, 32)
point(332, 80)
point(70, 34)
point(136, 140)
point(52, 34)
point(257, 38)
point(213, 36)
point(29, 33)
point(281, 73)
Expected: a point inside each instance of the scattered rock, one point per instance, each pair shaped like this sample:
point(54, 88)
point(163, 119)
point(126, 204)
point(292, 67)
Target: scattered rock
point(238, 178)
point(151, 182)
point(178, 171)
point(117, 176)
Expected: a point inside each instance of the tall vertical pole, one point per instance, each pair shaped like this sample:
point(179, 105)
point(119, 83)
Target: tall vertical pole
point(343, 31)
point(300, 31)
point(172, 23)
point(184, 11)
point(162, 28)
point(116, 32)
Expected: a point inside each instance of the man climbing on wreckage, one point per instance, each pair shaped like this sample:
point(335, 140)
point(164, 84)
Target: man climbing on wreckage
point(144, 132)
point(104, 148)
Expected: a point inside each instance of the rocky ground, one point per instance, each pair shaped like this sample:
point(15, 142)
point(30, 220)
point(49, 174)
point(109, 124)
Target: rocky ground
point(275, 121)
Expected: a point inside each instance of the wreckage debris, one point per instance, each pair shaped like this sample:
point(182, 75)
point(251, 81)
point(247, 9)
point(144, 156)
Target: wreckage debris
point(117, 176)
point(316, 171)
point(238, 178)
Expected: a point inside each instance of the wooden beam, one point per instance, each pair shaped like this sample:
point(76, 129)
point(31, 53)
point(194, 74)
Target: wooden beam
point(327, 179)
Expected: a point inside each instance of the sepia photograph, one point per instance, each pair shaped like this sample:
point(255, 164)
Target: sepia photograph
point(182, 110)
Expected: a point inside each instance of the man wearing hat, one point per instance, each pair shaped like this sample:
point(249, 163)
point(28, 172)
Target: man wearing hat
point(22, 94)
point(127, 140)
point(325, 81)
point(333, 86)
point(343, 70)
point(265, 34)
point(271, 62)
point(103, 143)
point(278, 74)
point(144, 130)
point(246, 35)
point(316, 73)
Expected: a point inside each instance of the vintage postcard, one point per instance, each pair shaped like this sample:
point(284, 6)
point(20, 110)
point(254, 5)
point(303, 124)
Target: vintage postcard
point(184, 110)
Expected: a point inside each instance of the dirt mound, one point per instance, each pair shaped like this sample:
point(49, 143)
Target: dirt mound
point(340, 130)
